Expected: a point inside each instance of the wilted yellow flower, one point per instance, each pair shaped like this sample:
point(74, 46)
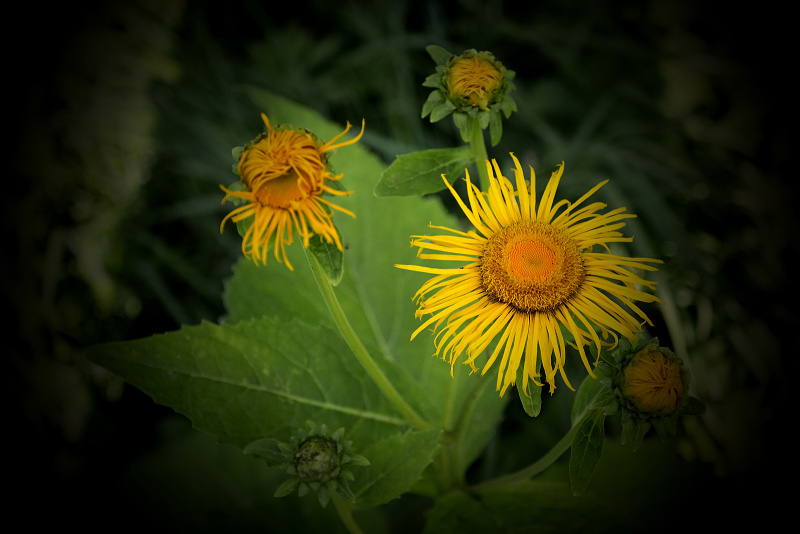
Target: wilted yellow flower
point(530, 270)
point(285, 173)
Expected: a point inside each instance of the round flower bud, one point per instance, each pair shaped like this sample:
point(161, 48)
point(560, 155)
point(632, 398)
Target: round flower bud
point(654, 381)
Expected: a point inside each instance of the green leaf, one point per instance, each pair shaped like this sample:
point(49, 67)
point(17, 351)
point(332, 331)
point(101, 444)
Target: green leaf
point(586, 398)
point(256, 379)
point(396, 463)
point(439, 55)
point(420, 173)
point(587, 447)
point(329, 257)
point(532, 399)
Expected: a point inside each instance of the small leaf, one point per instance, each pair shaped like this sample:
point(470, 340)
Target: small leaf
point(329, 257)
point(439, 55)
point(588, 392)
point(532, 399)
point(587, 447)
point(420, 173)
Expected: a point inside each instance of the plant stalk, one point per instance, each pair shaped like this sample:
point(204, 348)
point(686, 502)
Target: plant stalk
point(537, 467)
point(358, 348)
point(478, 148)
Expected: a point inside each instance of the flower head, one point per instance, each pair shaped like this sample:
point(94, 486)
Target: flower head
point(472, 85)
point(474, 81)
point(530, 273)
point(284, 173)
point(653, 381)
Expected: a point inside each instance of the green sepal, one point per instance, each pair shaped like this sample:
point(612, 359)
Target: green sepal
point(532, 399)
point(439, 55)
point(434, 80)
point(288, 487)
point(420, 173)
point(330, 258)
point(633, 431)
point(269, 448)
point(587, 448)
point(465, 124)
point(442, 110)
point(495, 127)
point(435, 100)
point(693, 406)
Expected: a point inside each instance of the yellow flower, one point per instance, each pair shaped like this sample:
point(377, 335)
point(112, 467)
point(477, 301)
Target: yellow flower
point(653, 381)
point(530, 271)
point(285, 172)
point(475, 79)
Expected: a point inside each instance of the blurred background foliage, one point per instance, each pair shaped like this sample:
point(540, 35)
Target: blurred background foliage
point(123, 130)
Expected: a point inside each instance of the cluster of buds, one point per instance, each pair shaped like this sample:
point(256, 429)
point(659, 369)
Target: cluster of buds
point(472, 85)
point(315, 459)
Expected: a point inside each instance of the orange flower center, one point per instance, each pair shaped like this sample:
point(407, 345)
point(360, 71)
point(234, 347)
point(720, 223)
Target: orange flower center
point(653, 381)
point(283, 167)
point(283, 191)
point(532, 266)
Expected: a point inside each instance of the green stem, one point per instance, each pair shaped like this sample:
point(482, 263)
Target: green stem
point(358, 348)
point(537, 467)
point(478, 147)
point(345, 511)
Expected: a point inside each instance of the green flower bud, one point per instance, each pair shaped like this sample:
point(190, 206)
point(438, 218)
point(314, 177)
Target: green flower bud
point(315, 459)
point(472, 85)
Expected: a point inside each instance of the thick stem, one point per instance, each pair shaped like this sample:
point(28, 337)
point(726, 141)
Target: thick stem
point(478, 147)
point(358, 348)
point(537, 467)
point(345, 511)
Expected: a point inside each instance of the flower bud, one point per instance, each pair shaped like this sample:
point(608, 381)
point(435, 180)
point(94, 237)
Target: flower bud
point(654, 381)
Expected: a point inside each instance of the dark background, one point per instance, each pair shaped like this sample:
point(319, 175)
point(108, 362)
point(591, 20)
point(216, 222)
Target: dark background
point(122, 121)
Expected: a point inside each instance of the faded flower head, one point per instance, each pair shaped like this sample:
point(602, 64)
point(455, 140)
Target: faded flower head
point(284, 174)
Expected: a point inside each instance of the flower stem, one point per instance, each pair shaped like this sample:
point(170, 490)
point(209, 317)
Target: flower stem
point(358, 348)
point(345, 511)
point(478, 148)
point(537, 467)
